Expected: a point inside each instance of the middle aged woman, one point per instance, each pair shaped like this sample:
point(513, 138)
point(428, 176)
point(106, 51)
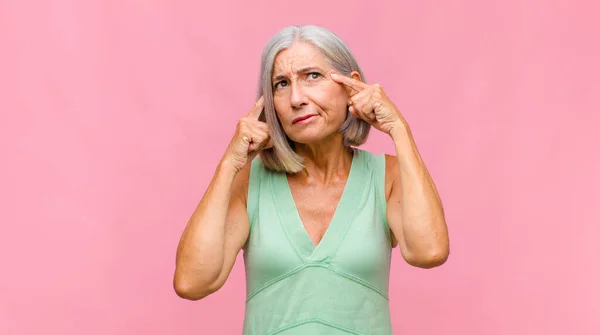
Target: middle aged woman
point(317, 217)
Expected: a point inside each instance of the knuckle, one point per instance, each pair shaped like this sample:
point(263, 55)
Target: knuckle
point(243, 126)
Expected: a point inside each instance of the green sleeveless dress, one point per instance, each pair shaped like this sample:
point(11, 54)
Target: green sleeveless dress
point(339, 286)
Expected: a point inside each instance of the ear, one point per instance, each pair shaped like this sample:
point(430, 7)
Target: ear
point(356, 76)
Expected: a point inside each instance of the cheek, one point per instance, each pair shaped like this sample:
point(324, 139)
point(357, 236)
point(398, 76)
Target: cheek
point(328, 96)
point(335, 100)
point(280, 107)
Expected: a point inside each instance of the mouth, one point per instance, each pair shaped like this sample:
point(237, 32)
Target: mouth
point(304, 119)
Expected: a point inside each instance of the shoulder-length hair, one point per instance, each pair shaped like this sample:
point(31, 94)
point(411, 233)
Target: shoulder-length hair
point(282, 156)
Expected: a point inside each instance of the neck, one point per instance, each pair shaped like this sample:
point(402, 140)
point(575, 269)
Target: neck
point(325, 161)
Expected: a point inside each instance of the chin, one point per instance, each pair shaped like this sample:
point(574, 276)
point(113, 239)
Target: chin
point(313, 133)
point(311, 137)
point(307, 139)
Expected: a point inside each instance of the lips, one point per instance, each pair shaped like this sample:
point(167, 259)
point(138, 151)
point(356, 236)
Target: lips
point(302, 118)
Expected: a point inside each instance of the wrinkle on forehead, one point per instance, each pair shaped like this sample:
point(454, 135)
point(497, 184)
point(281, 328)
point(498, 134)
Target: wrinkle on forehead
point(296, 57)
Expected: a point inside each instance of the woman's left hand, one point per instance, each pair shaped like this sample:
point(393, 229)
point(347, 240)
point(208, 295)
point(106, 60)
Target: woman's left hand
point(370, 103)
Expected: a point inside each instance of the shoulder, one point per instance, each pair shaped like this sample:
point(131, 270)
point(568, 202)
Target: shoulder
point(242, 181)
point(249, 179)
point(390, 162)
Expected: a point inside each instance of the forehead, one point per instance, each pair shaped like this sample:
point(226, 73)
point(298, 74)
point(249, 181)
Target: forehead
point(298, 56)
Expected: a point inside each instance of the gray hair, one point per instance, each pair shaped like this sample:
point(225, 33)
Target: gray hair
point(282, 157)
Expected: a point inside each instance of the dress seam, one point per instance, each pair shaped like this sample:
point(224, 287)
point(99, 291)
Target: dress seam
point(321, 265)
point(315, 320)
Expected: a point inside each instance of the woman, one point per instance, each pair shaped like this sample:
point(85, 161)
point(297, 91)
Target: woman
point(316, 217)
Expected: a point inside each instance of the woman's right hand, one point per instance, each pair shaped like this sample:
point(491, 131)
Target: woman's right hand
point(251, 136)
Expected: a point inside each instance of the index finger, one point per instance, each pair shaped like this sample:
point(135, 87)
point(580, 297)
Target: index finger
point(350, 82)
point(257, 108)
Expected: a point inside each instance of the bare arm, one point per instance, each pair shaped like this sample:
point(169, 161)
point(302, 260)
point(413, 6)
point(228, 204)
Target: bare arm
point(219, 227)
point(213, 236)
point(415, 213)
point(414, 209)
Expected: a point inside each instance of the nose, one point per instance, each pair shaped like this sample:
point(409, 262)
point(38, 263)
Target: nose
point(297, 96)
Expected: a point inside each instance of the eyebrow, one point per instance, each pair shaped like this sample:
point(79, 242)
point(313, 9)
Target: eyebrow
point(301, 70)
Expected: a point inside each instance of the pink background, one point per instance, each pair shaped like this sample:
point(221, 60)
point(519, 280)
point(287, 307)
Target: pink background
point(114, 114)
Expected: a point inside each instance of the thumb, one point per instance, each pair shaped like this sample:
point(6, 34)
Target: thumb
point(245, 142)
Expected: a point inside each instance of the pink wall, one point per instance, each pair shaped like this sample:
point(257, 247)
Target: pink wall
point(114, 114)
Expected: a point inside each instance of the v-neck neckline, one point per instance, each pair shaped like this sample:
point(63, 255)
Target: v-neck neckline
point(339, 223)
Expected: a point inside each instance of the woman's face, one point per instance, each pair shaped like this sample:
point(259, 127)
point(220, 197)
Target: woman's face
point(309, 104)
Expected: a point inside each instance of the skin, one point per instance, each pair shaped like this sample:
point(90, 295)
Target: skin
point(305, 84)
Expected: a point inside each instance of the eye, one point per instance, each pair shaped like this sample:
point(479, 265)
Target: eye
point(314, 75)
point(282, 83)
